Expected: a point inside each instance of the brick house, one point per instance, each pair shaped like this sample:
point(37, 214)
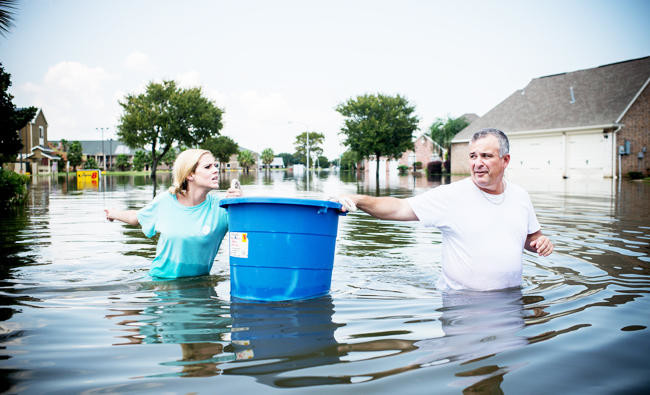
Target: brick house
point(425, 150)
point(573, 124)
point(35, 156)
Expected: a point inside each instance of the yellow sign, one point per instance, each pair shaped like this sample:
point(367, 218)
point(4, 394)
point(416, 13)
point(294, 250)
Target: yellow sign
point(87, 179)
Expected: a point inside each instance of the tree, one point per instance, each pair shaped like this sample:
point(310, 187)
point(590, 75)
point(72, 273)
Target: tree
point(11, 120)
point(287, 158)
point(222, 148)
point(7, 8)
point(443, 131)
point(349, 160)
point(246, 159)
point(140, 160)
point(267, 157)
point(75, 155)
point(315, 140)
point(323, 162)
point(166, 115)
point(378, 125)
point(122, 162)
point(91, 163)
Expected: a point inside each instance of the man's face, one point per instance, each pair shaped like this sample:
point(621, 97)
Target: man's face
point(485, 165)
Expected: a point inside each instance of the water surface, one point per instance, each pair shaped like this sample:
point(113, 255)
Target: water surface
point(79, 313)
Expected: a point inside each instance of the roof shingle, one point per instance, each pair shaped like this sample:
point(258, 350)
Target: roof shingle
point(595, 96)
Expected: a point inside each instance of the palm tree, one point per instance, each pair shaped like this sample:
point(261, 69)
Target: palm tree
point(267, 157)
point(246, 159)
point(7, 9)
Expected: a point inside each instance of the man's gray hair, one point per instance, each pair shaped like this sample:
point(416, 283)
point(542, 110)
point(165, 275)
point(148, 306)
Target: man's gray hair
point(504, 145)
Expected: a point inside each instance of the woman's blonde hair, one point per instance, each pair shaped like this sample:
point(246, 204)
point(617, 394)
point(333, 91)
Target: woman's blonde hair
point(184, 165)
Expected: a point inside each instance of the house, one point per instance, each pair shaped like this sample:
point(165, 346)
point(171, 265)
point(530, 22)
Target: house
point(233, 163)
point(278, 163)
point(573, 124)
point(425, 150)
point(35, 156)
point(99, 149)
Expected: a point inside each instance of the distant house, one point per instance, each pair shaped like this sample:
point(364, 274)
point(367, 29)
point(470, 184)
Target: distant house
point(35, 156)
point(425, 150)
point(96, 149)
point(573, 124)
point(233, 163)
point(278, 163)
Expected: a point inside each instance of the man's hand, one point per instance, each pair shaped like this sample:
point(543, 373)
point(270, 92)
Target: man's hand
point(542, 245)
point(347, 203)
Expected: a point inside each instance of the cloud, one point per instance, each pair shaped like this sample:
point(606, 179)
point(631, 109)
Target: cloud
point(189, 79)
point(137, 61)
point(73, 97)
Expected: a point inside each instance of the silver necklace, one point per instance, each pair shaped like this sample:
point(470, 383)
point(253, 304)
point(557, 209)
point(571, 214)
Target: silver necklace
point(495, 199)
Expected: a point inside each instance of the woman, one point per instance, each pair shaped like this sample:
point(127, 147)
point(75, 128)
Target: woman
point(190, 222)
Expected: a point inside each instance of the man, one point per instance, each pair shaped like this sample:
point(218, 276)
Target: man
point(485, 221)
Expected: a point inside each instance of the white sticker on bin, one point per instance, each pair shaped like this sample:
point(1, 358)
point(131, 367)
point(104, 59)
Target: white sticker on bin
point(238, 245)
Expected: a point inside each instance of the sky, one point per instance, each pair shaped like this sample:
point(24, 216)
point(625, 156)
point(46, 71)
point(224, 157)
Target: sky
point(278, 68)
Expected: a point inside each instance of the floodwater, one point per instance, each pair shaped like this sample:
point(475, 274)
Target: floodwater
point(80, 315)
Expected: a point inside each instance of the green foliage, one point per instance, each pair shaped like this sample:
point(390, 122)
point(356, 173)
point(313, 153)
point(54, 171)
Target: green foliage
point(287, 158)
point(418, 165)
point(166, 115)
point(323, 162)
point(267, 156)
point(75, 155)
point(11, 119)
point(246, 159)
point(635, 175)
point(402, 169)
point(298, 159)
point(7, 9)
point(122, 162)
point(140, 160)
point(349, 160)
point(12, 189)
point(378, 125)
point(315, 141)
point(222, 148)
point(91, 163)
point(443, 131)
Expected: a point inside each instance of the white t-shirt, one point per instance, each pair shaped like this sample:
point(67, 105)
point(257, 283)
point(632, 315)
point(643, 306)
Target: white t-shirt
point(482, 240)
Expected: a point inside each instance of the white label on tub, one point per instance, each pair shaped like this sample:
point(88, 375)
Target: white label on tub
point(239, 245)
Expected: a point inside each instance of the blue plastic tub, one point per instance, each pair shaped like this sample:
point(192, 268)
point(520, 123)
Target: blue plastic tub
point(281, 248)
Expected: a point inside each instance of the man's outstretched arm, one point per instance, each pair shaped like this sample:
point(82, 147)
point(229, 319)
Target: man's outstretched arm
point(389, 208)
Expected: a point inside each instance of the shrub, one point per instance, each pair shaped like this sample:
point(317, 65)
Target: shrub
point(12, 189)
point(635, 175)
point(434, 167)
point(418, 165)
point(402, 169)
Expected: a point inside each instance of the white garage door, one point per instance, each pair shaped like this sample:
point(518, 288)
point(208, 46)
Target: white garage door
point(588, 155)
point(543, 155)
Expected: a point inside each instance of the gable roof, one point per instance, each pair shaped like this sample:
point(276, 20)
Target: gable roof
point(591, 97)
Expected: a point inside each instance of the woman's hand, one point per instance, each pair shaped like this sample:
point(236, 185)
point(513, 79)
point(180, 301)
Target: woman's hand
point(109, 215)
point(234, 190)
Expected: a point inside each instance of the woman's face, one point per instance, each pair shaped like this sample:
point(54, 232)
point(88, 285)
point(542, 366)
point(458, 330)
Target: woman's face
point(206, 174)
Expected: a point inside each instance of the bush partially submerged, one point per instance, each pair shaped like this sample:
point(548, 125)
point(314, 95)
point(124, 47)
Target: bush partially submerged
point(13, 191)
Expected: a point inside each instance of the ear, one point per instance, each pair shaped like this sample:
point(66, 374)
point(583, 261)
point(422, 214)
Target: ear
point(190, 177)
point(506, 159)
